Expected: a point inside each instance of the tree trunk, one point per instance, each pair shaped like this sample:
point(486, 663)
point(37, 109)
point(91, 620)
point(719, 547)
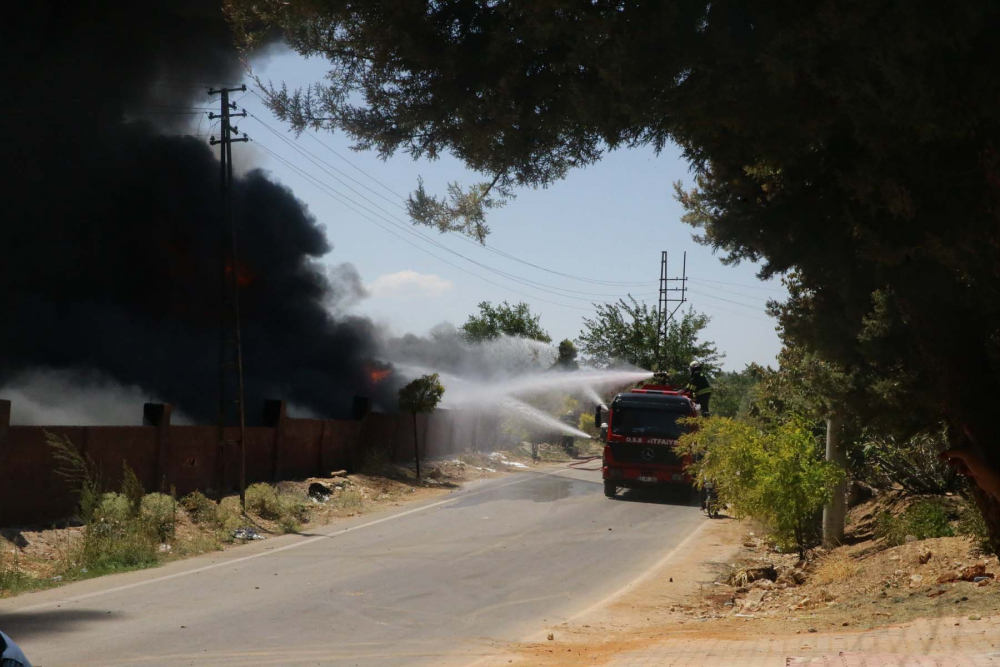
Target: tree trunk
point(959, 350)
point(835, 512)
point(971, 410)
point(416, 447)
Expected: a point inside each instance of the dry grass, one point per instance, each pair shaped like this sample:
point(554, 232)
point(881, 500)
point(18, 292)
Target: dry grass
point(197, 524)
point(836, 568)
point(861, 586)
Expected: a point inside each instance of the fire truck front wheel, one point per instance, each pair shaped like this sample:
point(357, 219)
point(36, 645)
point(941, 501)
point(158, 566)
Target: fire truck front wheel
point(610, 489)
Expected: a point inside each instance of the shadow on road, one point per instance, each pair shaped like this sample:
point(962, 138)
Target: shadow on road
point(26, 625)
point(681, 497)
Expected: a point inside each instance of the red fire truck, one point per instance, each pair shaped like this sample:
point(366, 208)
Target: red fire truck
point(641, 431)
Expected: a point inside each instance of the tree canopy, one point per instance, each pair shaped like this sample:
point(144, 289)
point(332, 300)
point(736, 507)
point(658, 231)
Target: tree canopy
point(628, 332)
point(422, 395)
point(567, 356)
point(503, 320)
point(854, 147)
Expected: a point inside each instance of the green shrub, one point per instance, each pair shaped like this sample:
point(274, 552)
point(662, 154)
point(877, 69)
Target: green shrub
point(160, 511)
point(13, 579)
point(586, 424)
point(117, 534)
point(200, 507)
point(294, 510)
point(79, 471)
point(773, 473)
point(132, 489)
point(923, 520)
point(971, 524)
point(113, 509)
point(115, 539)
point(262, 500)
point(108, 548)
point(348, 499)
point(229, 517)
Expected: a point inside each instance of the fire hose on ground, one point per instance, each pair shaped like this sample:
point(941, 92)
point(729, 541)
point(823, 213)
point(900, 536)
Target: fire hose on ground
point(581, 461)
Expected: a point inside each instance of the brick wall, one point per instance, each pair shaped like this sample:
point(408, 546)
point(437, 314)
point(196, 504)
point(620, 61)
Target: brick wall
point(189, 458)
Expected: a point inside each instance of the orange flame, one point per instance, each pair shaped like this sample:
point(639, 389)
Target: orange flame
point(379, 375)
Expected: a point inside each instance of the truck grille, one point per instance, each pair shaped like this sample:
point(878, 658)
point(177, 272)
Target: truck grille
point(631, 452)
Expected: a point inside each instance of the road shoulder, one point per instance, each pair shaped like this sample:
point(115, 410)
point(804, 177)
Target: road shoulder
point(661, 619)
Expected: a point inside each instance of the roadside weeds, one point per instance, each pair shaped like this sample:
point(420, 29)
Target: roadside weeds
point(127, 530)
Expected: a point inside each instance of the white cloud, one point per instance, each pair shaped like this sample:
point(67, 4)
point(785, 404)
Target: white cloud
point(409, 283)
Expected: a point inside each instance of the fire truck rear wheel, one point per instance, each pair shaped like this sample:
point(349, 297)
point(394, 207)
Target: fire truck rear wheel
point(610, 490)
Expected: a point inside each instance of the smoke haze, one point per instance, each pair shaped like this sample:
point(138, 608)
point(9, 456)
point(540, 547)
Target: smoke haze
point(110, 257)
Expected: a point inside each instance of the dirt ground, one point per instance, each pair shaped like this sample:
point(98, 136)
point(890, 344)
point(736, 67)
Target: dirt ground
point(851, 589)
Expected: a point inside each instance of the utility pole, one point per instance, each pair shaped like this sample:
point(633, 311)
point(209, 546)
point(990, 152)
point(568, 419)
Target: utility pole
point(662, 317)
point(230, 343)
point(835, 513)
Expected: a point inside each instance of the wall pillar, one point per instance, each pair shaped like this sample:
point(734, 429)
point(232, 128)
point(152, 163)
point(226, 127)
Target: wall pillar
point(360, 410)
point(4, 431)
point(157, 415)
point(275, 416)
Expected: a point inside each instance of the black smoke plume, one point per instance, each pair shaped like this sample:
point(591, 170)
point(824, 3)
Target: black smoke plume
point(109, 259)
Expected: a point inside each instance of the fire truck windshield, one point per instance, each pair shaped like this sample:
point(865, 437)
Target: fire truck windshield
point(647, 422)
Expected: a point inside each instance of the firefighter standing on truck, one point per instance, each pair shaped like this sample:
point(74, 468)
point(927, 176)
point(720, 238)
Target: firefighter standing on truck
point(698, 385)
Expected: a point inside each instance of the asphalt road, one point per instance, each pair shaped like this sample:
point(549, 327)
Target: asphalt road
point(428, 584)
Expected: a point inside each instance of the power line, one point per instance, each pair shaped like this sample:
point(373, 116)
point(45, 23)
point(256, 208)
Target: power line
point(354, 180)
point(327, 147)
point(745, 296)
point(609, 283)
point(464, 238)
point(397, 222)
point(719, 298)
point(712, 306)
point(157, 112)
point(720, 282)
point(336, 196)
point(347, 201)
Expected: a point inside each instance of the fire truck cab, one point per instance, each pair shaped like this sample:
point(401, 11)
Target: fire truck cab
point(641, 427)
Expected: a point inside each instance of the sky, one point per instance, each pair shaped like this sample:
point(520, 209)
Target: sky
point(608, 222)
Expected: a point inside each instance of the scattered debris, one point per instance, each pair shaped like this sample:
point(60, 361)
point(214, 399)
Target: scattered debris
point(792, 577)
point(247, 533)
point(746, 575)
point(974, 571)
point(320, 491)
point(753, 600)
